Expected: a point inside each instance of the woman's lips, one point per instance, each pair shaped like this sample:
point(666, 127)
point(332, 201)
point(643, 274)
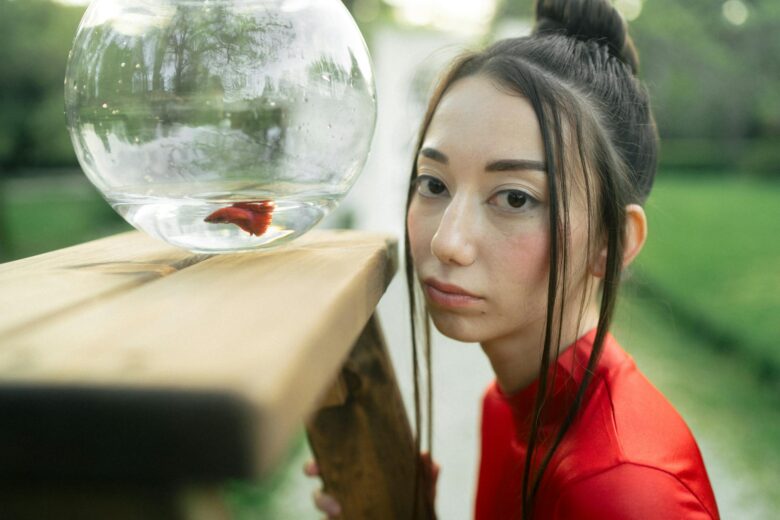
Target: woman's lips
point(448, 295)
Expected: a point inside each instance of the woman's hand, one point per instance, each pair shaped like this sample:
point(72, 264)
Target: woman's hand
point(432, 472)
point(322, 501)
point(331, 507)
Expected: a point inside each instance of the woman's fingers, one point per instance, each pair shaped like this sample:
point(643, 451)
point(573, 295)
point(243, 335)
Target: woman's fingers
point(322, 501)
point(310, 468)
point(432, 469)
point(326, 503)
point(330, 506)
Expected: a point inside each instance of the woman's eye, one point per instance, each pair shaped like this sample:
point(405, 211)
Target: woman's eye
point(513, 200)
point(428, 186)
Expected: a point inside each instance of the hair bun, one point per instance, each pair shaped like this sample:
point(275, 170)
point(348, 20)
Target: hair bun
point(588, 20)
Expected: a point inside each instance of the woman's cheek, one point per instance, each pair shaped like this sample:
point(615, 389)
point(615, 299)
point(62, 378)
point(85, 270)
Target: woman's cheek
point(528, 256)
point(422, 226)
point(413, 225)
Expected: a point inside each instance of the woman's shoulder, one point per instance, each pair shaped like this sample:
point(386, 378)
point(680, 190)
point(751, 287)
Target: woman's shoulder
point(647, 427)
point(631, 491)
point(629, 438)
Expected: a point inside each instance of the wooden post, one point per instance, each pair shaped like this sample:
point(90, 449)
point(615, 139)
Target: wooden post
point(362, 435)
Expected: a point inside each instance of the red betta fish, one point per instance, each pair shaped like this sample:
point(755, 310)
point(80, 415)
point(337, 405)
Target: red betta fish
point(252, 217)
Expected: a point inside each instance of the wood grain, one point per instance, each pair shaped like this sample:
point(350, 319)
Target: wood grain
point(35, 289)
point(364, 447)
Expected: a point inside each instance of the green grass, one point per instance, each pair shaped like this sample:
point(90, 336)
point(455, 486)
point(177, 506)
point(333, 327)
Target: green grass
point(734, 416)
point(40, 215)
point(284, 494)
point(714, 251)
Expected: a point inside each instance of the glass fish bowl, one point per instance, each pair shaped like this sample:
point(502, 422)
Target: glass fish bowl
point(220, 125)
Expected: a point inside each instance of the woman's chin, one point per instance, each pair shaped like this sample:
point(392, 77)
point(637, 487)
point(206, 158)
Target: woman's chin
point(458, 328)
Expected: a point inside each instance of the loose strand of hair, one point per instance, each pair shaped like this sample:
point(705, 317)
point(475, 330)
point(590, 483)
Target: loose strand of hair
point(614, 220)
point(559, 237)
point(411, 285)
point(410, 282)
point(587, 173)
point(552, 291)
point(429, 378)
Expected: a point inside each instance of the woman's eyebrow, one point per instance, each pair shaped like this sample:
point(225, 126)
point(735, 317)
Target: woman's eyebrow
point(502, 165)
point(434, 154)
point(505, 165)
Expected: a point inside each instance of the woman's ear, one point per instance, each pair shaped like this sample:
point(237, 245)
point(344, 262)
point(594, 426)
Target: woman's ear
point(634, 239)
point(636, 233)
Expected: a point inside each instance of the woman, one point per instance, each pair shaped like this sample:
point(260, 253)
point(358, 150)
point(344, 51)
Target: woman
point(535, 158)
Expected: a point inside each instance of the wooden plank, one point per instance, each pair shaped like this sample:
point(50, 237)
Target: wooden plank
point(364, 445)
point(68, 501)
point(34, 289)
point(137, 436)
point(270, 329)
point(101, 501)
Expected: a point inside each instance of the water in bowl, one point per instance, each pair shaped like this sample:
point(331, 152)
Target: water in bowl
point(184, 220)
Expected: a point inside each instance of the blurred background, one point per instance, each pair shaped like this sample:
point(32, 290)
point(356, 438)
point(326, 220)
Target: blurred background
point(699, 310)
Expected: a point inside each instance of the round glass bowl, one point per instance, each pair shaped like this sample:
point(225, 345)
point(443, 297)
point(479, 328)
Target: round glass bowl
point(220, 125)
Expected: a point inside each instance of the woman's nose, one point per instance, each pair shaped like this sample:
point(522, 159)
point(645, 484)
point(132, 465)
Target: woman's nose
point(454, 241)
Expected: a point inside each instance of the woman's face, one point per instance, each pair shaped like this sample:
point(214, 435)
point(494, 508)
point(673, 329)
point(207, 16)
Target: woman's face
point(478, 220)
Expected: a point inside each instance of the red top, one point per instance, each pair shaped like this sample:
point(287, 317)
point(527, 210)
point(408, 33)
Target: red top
point(628, 455)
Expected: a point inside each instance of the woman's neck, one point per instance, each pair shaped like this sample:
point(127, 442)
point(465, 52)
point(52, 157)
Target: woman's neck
point(516, 360)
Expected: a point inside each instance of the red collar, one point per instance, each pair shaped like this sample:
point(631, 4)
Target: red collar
point(566, 374)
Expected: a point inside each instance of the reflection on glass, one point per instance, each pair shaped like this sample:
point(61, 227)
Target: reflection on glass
point(180, 108)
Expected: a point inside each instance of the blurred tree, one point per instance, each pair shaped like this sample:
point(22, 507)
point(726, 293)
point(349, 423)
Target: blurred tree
point(715, 83)
point(35, 36)
point(514, 9)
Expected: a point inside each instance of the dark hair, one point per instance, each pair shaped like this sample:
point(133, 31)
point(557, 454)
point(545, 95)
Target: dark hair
point(578, 71)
